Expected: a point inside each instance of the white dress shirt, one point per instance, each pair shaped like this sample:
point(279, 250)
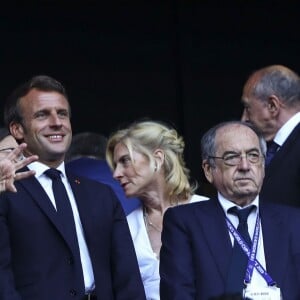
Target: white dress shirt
point(148, 260)
point(284, 132)
point(46, 183)
point(257, 279)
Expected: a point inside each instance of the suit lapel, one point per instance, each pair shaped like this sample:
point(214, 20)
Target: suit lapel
point(212, 219)
point(216, 234)
point(84, 209)
point(283, 151)
point(33, 187)
point(275, 240)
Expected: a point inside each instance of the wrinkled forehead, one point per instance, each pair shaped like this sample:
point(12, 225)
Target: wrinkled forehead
point(43, 100)
point(236, 137)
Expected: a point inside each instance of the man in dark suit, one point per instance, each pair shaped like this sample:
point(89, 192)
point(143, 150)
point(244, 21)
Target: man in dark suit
point(271, 99)
point(205, 253)
point(41, 256)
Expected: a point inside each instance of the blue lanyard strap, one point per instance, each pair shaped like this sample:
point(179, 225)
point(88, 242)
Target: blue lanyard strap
point(251, 253)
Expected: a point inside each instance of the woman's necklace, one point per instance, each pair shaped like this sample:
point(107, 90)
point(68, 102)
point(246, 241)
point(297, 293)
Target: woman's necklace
point(149, 223)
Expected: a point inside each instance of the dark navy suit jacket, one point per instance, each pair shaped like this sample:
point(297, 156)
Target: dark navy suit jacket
point(99, 170)
point(37, 260)
point(196, 250)
point(282, 178)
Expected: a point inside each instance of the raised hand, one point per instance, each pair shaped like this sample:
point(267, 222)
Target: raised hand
point(9, 166)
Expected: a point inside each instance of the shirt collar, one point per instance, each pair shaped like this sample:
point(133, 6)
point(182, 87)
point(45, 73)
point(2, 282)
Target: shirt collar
point(227, 204)
point(40, 168)
point(286, 129)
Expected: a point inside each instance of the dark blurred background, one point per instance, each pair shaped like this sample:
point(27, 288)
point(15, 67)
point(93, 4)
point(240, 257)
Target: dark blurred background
point(183, 62)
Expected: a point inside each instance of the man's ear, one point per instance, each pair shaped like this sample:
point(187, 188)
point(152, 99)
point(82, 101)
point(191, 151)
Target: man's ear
point(274, 104)
point(207, 168)
point(17, 131)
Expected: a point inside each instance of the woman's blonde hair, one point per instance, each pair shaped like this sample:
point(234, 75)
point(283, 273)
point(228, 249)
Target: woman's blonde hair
point(147, 136)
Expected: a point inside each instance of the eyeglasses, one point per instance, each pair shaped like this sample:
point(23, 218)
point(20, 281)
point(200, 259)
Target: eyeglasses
point(233, 159)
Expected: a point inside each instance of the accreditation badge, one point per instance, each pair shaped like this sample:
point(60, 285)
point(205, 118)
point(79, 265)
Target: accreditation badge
point(262, 293)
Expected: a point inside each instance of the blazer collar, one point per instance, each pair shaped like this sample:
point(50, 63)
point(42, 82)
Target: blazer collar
point(32, 186)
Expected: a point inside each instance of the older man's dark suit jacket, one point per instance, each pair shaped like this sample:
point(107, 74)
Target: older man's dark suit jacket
point(196, 250)
point(282, 178)
point(37, 261)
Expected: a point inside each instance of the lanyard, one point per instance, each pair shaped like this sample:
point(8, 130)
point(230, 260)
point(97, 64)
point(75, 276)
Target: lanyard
point(251, 253)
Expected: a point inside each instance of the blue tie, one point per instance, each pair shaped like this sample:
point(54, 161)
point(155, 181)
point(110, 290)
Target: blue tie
point(239, 259)
point(63, 205)
point(271, 150)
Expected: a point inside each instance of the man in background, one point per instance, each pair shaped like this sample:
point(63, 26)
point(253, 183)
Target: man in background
point(271, 99)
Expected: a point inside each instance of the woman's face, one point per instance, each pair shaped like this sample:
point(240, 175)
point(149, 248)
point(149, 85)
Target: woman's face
point(135, 175)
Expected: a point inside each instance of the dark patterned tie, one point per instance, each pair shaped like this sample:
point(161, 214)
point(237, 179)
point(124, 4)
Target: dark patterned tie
point(63, 205)
point(271, 150)
point(239, 259)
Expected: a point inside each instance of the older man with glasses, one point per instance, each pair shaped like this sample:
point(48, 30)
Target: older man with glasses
point(233, 244)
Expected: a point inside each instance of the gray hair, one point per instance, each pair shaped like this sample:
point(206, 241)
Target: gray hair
point(208, 141)
point(280, 81)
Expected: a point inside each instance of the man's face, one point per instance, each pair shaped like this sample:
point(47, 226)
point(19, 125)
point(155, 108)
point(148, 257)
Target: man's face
point(241, 182)
point(258, 112)
point(45, 126)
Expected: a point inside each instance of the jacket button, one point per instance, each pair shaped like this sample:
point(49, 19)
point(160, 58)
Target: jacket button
point(70, 261)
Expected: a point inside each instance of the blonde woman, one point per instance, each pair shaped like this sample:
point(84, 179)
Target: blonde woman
point(147, 159)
